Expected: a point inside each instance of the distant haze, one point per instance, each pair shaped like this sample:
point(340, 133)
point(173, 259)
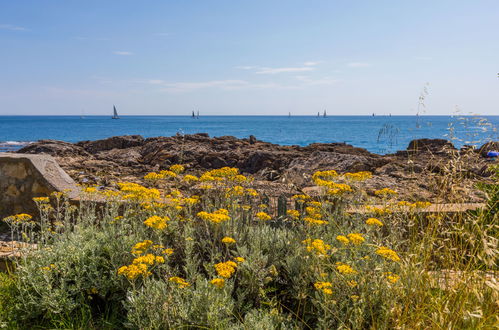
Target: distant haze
point(248, 57)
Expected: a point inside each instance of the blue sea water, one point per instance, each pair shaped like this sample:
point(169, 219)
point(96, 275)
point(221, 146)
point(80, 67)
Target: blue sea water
point(379, 134)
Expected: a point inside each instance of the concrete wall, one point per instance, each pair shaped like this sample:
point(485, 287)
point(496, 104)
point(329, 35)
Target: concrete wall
point(24, 176)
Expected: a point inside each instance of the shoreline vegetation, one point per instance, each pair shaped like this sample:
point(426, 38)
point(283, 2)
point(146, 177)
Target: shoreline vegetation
point(183, 232)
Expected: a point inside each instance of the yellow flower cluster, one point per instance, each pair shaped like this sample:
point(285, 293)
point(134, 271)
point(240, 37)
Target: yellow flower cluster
point(228, 174)
point(374, 222)
point(140, 265)
point(41, 199)
point(263, 216)
point(141, 247)
point(190, 178)
point(358, 176)
point(239, 259)
point(345, 269)
point(325, 287)
point(48, 268)
point(218, 216)
point(181, 283)
point(18, 218)
point(314, 215)
point(378, 210)
point(228, 240)
point(385, 192)
point(325, 175)
point(342, 239)
point(136, 192)
point(226, 269)
point(317, 245)
point(177, 168)
point(356, 238)
point(388, 253)
point(218, 282)
point(391, 277)
point(293, 214)
point(156, 222)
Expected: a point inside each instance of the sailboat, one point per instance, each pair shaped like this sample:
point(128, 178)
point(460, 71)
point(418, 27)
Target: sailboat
point(324, 115)
point(197, 116)
point(115, 113)
point(289, 114)
point(193, 115)
point(318, 114)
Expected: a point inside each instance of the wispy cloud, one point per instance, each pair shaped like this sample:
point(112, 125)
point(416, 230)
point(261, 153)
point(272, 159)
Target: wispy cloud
point(358, 65)
point(12, 27)
point(122, 53)
point(308, 81)
point(284, 70)
point(307, 66)
point(311, 63)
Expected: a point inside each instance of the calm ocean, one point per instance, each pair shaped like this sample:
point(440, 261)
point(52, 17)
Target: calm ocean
point(380, 134)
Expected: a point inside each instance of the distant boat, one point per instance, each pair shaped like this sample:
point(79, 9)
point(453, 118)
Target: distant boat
point(289, 114)
point(115, 113)
point(197, 117)
point(324, 115)
point(373, 114)
point(318, 114)
point(193, 115)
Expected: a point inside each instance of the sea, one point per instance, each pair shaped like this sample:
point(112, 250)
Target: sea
point(378, 134)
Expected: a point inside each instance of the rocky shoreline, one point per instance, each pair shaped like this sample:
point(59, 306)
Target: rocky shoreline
point(428, 170)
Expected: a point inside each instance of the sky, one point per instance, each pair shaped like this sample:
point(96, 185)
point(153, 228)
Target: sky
point(249, 57)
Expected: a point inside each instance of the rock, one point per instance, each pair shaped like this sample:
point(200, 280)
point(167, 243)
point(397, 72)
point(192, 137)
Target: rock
point(24, 176)
point(252, 139)
point(489, 146)
point(430, 145)
point(54, 148)
point(115, 142)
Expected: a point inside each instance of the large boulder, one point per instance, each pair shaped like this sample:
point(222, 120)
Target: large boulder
point(115, 142)
point(489, 146)
point(430, 145)
point(54, 148)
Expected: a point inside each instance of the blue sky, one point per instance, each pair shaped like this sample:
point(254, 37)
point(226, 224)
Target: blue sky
point(248, 57)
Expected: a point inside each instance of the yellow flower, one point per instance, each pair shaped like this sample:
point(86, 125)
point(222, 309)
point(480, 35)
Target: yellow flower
point(352, 283)
point(239, 259)
point(134, 270)
point(263, 216)
point(228, 240)
point(317, 246)
point(190, 178)
point(168, 251)
point(391, 277)
point(41, 199)
point(218, 282)
point(153, 176)
point(343, 239)
point(356, 238)
point(179, 281)
point(345, 269)
point(374, 222)
point(141, 247)
point(226, 269)
point(177, 169)
point(218, 216)
point(156, 222)
point(325, 287)
point(388, 254)
point(18, 218)
point(293, 214)
point(358, 176)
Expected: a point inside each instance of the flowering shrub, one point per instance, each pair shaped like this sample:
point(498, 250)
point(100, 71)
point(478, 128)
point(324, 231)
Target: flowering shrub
point(209, 251)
